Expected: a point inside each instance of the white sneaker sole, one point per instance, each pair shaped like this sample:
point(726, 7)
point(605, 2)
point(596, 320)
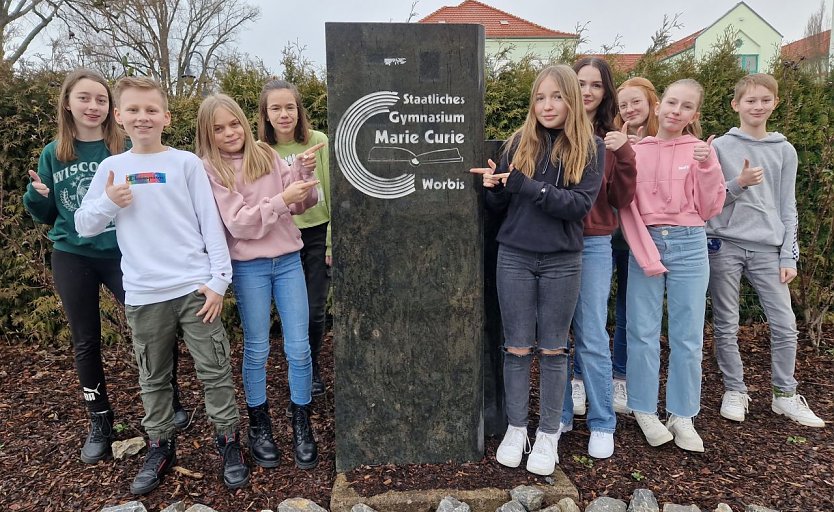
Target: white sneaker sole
point(540, 470)
point(802, 421)
point(510, 462)
point(689, 447)
point(732, 417)
point(622, 409)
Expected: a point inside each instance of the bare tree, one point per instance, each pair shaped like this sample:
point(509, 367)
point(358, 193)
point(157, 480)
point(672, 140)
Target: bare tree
point(178, 42)
point(816, 59)
point(14, 15)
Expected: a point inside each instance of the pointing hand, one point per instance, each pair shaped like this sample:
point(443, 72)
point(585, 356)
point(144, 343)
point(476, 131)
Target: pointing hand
point(38, 185)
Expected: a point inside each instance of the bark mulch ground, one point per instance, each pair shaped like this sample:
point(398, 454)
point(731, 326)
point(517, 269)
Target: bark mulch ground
point(766, 460)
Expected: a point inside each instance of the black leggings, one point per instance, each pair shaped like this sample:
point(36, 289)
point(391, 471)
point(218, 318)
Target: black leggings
point(317, 276)
point(78, 280)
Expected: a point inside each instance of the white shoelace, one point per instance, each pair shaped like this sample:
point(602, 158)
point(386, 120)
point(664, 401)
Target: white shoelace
point(739, 400)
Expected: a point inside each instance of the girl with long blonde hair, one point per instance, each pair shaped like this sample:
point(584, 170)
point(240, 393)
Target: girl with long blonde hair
point(546, 181)
point(257, 195)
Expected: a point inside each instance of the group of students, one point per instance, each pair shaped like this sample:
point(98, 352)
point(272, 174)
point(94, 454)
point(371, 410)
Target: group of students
point(594, 167)
point(166, 231)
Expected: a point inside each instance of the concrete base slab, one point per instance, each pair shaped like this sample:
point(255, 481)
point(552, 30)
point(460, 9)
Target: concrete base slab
point(344, 497)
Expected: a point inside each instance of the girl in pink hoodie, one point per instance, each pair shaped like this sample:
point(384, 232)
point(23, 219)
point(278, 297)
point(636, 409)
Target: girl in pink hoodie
point(257, 195)
point(679, 187)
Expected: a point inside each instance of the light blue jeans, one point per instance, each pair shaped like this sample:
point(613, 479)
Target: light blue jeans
point(683, 251)
point(257, 283)
point(591, 341)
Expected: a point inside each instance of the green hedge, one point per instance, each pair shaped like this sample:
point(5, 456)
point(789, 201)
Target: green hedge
point(30, 309)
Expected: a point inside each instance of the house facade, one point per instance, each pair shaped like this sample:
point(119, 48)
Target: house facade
point(507, 33)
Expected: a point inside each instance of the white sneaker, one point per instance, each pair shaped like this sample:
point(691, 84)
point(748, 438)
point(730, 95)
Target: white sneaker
point(565, 427)
point(577, 391)
point(621, 397)
point(543, 458)
point(735, 405)
point(601, 445)
point(656, 433)
point(685, 435)
point(513, 446)
point(796, 408)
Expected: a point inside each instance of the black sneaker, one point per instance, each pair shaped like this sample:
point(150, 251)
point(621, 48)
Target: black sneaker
point(99, 439)
point(234, 469)
point(160, 458)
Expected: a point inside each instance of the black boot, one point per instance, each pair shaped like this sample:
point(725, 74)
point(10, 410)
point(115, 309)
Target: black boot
point(306, 452)
point(318, 385)
point(261, 443)
point(160, 458)
point(235, 471)
point(97, 445)
point(182, 420)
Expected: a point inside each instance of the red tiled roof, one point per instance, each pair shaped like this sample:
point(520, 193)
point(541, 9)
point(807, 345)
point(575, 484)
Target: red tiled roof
point(808, 47)
point(497, 23)
point(622, 61)
point(680, 45)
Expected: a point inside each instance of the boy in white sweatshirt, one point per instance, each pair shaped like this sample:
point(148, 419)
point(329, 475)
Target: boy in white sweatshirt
point(754, 236)
point(176, 270)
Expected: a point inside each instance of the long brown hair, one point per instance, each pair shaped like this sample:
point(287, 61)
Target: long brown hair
point(651, 97)
point(258, 158)
point(607, 109)
point(574, 147)
point(113, 136)
point(266, 132)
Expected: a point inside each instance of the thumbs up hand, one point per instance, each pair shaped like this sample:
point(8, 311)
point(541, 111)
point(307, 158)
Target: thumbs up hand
point(38, 185)
point(750, 176)
point(120, 194)
point(614, 140)
point(634, 139)
point(702, 149)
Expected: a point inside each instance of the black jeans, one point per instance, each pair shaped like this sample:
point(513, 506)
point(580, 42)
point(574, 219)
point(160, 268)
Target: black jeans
point(78, 280)
point(317, 277)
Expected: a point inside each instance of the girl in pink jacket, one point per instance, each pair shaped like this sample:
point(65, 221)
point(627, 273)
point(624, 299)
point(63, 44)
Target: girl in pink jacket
point(679, 187)
point(257, 195)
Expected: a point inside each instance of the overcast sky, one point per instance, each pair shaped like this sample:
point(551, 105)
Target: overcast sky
point(635, 21)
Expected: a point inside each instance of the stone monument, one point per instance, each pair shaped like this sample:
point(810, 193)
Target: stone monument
point(405, 116)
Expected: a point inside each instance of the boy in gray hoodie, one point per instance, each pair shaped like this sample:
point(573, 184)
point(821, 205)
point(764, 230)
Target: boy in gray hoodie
point(754, 235)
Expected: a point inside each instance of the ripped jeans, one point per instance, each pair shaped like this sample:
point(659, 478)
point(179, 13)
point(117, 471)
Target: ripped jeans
point(537, 293)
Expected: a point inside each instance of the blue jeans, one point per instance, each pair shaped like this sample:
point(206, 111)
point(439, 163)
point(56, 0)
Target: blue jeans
point(593, 355)
point(537, 293)
point(619, 355)
point(683, 251)
point(256, 283)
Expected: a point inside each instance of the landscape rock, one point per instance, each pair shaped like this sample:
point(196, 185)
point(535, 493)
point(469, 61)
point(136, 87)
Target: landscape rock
point(511, 506)
point(178, 506)
point(450, 504)
point(299, 505)
point(758, 508)
point(361, 507)
point(671, 507)
point(723, 507)
point(568, 505)
point(127, 447)
point(199, 508)
point(643, 500)
point(606, 504)
point(131, 506)
point(530, 497)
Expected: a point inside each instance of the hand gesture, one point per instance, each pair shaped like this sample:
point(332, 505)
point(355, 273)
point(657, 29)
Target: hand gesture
point(308, 158)
point(38, 185)
point(213, 306)
point(786, 275)
point(120, 194)
point(298, 191)
point(634, 139)
point(702, 149)
point(490, 178)
point(615, 140)
point(750, 175)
